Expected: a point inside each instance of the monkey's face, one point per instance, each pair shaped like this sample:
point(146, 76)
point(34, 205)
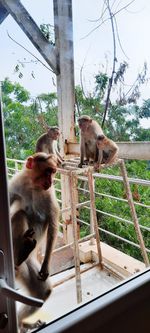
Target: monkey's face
point(100, 142)
point(45, 178)
point(54, 133)
point(43, 168)
point(83, 124)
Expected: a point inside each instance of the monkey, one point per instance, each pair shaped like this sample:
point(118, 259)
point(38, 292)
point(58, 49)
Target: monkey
point(34, 213)
point(46, 143)
point(109, 150)
point(89, 130)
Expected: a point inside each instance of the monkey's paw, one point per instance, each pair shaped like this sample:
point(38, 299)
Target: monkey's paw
point(96, 166)
point(26, 328)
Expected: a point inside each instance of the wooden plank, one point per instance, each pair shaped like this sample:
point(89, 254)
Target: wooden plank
point(32, 31)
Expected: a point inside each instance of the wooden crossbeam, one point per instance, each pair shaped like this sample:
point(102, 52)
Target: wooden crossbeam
point(3, 13)
point(32, 31)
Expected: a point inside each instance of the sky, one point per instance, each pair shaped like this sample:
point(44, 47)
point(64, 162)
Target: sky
point(92, 50)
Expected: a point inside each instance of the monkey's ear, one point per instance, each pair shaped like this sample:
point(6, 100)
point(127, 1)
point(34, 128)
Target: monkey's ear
point(29, 162)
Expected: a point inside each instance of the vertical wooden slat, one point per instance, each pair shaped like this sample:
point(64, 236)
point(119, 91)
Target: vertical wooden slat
point(73, 182)
point(133, 211)
point(93, 213)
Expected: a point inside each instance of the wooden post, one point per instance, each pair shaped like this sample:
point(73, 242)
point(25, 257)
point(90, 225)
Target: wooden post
point(92, 240)
point(65, 80)
point(73, 182)
point(133, 212)
point(66, 94)
point(94, 217)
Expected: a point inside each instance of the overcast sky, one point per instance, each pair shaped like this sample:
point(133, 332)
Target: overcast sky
point(95, 51)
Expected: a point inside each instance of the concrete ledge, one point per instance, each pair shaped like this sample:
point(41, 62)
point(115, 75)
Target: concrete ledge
point(138, 150)
point(119, 261)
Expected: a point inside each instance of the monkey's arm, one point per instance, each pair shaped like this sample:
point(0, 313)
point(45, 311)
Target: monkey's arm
point(51, 236)
point(14, 197)
point(112, 154)
point(82, 152)
point(98, 159)
point(99, 153)
point(59, 157)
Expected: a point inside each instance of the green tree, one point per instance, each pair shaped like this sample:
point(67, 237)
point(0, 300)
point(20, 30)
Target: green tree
point(21, 118)
point(123, 122)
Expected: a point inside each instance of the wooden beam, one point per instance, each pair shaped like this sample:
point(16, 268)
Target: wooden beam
point(65, 80)
point(66, 95)
point(32, 31)
point(3, 13)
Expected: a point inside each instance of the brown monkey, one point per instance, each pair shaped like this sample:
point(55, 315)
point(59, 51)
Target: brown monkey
point(90, 129)
point(47, 142)
point(109, 150)
point(34, 215)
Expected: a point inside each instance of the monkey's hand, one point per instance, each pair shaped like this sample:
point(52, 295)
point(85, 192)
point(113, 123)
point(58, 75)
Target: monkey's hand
point(96, 166)
point(43, 274)
point(80, 165)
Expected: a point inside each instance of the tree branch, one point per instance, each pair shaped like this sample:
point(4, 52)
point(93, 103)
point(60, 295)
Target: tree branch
point(108, 18)
point(114, 63)
point(29, 52)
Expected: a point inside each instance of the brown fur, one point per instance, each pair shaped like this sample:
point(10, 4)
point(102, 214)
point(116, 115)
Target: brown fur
point(89, 130)
point(109, 149)
point(47, 142)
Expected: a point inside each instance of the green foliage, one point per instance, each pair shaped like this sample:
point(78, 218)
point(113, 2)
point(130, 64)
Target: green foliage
point(89, 105)
point(120, 209)
point(145, 109)
point(22, 127)
point(123, 122)
point(48, 32)
point(101, 83)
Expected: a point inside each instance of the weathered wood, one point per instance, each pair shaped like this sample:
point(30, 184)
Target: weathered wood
point(65, 80)
point(65, 92)
point(133, 212)
point(94, 217)
point(3, 13)
point(122, 263)
point(72, 180)
point(32, 31)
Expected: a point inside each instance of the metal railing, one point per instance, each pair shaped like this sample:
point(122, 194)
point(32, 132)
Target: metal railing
point(16, 165)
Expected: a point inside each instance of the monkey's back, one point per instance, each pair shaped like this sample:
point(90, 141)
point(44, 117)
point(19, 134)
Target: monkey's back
point(111, 146)
point(44, 144)
point(95, 129)
point(90, 136)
